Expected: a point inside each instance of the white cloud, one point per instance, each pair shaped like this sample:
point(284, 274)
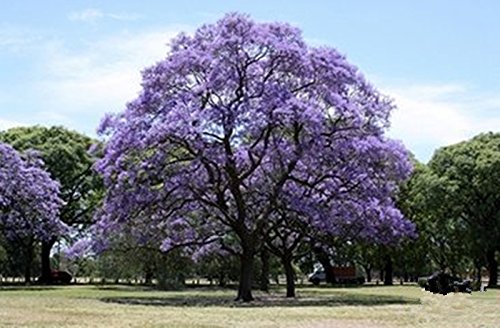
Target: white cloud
point(15, 38)
point(435, 115)
point(103, 76)
point(92, 15)
point(74, 82)
point(87, 15)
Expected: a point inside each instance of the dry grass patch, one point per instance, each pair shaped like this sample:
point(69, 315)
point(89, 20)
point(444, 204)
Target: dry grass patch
point(90, 306)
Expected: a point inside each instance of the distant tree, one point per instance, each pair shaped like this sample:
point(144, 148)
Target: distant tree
point(428, 200)
point(29, 202)
point(412, 260)
point(66, 157)
point(216, 264)
point(365, 256)
point(470, 170)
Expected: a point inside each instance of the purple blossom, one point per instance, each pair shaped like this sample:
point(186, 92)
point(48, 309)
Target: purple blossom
point(80, 249)
point(241, 117)
point(29, 198)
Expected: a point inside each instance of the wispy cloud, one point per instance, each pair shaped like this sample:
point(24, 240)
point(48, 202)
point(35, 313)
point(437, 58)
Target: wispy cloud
point(15, 38)
point(92, 15)
point(429, 116)
point(103, 76)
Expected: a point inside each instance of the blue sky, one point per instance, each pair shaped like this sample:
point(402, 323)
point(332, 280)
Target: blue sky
point(69, 62)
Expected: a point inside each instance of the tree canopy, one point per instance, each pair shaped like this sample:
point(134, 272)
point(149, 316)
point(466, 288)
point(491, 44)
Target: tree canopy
point(29, 201)
point(66, 157)
point(242, 116)
point(470, 171)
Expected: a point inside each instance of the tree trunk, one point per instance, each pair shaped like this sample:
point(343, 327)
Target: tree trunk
point(388, 271)
point(148, 278)
point(492, 268)
point(148, 274)
point(368, 271)
point(478, 267)
point(290, 276)
point(264, 274)
point(324, 259)
point(46, 276)
point(246, 275)
point(222, 279)
point(28, 262)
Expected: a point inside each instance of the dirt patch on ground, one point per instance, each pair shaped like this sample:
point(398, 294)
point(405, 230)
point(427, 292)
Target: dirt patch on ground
point(265, 301)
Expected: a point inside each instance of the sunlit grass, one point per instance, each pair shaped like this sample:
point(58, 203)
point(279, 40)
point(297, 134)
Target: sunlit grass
point(110, 306)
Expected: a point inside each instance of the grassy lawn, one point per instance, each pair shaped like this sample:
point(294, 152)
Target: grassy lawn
point(121, 306)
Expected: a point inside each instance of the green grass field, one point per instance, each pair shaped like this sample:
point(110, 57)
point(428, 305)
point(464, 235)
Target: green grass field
point(122, 306)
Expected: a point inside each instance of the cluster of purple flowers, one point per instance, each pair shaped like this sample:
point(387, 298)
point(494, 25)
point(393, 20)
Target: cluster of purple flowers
point(29, 198)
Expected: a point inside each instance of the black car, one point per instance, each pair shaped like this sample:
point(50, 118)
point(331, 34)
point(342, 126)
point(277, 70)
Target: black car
point(443, 283)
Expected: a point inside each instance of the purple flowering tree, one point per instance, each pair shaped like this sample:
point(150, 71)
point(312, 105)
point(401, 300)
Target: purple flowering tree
point(29, 202)
point(242, 116)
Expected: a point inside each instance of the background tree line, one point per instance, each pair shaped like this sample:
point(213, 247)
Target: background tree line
point(453, 200)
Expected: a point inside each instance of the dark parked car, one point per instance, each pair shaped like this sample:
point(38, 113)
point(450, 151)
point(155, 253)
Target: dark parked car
point(443, 283)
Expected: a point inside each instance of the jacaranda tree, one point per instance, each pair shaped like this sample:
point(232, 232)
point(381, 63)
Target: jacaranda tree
point(242, 114)
point(66, 158)
point(29, 202)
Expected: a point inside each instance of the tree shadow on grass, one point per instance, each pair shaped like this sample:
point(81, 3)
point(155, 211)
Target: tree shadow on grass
point(5, 288)
point(122, 288)
point(264, 301)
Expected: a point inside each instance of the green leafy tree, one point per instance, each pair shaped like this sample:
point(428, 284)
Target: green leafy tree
point(471, 170)
point(66, 158)
point(365, 256)
point(413, 257)
point(428, 200)
point(217, 266)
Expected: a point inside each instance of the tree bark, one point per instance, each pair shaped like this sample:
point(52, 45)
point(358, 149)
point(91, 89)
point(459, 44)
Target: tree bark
point(148, 274)
point(28, 263)
point(246, 275)
point(264, 274)
point(222, 279)
point(290, 276)
point(478, 267)
point(388, 271)
point(492, 268)
point(368, 271)
point(46, 276)
point(406, 277)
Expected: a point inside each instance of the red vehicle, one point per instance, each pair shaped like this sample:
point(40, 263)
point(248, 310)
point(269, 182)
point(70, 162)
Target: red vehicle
point(343, 275)
point(61, 277)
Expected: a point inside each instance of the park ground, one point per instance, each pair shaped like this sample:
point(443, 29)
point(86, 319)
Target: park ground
point(129, 306)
